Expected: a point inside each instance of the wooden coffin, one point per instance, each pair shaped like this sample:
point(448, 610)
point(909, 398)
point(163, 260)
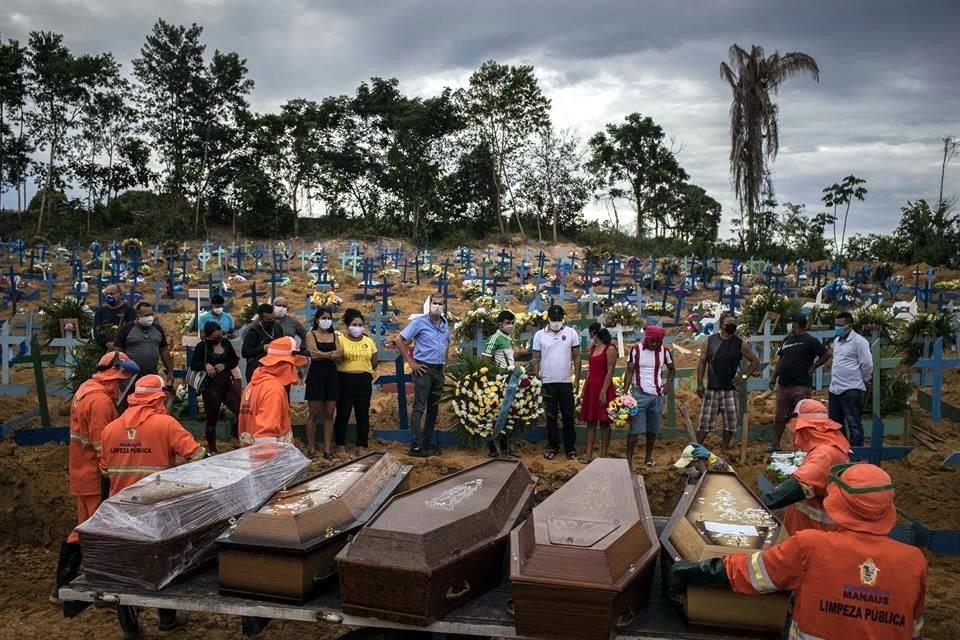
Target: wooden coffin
point(717, 516)
point(285, 551)
point(584, 561)
point(430, 550)
point(167, 524)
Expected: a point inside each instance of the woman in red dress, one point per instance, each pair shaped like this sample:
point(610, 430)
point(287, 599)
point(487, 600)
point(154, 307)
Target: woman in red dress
point(599, 392)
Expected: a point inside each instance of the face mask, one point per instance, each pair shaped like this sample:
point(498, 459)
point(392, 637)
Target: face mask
point(217, 311)
point(325, 323)
point(145, 321)
point(730, 329)
point(556, 325)
point(840, 330)
point(355, 332)
point(110, 299)
point(789, 327)
point(436, 309)
point(507, 329)
point(280, 312)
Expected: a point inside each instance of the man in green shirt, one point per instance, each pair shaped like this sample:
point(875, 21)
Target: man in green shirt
point(499, 348)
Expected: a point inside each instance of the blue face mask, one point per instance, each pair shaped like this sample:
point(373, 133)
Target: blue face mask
point(110, 299)
point(840, 330)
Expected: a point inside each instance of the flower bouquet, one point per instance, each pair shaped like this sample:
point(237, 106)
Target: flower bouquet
point(621, 409)
point(184, 322)
point(525, 293)
point(623, 314)
point(473, 289)
point(947, 285)
point(482, 318)
point(529, 321)
point(325, 300)
point(659, 308)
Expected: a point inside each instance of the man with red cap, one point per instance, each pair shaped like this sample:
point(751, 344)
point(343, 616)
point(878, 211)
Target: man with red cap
point(265, 406)
point(803, 492)
point(650, 372)
point(145, 439)
point(94, 405)
point(855, 582)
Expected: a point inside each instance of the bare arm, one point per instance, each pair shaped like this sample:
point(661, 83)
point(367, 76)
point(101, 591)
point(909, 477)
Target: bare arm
point(311, 343)
point(608, 379)
point(671, 373)
point(702, 367)
point(577, 366)
point(748, 353)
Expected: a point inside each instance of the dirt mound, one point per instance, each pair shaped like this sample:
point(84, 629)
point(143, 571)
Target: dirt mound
point(35, 505)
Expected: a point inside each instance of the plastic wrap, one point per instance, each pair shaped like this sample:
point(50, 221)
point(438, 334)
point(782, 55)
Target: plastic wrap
point(165, 525)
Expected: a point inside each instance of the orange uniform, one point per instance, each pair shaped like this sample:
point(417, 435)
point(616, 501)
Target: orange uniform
point(145, 439)
point(265, 406)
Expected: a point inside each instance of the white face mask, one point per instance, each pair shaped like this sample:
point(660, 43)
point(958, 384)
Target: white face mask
point(556, 325)
point(436, 309)
point(325, 323)
point(280, 312)
point(355, 331)
point(217, 311)
point(145, 321)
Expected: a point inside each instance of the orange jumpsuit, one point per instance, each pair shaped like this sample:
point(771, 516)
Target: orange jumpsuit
point(846, 584)
point(825, 446)
point(91, 410)
point(142, 441)
point(265, 406)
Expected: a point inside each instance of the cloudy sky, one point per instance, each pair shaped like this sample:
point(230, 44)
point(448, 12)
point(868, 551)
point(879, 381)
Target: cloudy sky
point(889, 87)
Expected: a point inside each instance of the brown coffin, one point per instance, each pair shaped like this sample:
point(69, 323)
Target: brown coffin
point(585, 559)
point(286, 550)
point(430, 550)
point(697, 531)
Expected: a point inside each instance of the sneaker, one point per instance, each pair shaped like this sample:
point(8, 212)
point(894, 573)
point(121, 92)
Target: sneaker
point(432, 451)
point(417, 452)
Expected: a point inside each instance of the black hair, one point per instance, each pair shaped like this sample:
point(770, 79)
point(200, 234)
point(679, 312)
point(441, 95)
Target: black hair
point(604, 336)
point(350, 315)
point(265, 307)
point(800, 320)
point(210, 327)
point(142, 304)
point(594, 328)
point(505, 315)
point(725, 315)
point(555, 312)
point(216, 299)
point(845, 315)
point(316, 318)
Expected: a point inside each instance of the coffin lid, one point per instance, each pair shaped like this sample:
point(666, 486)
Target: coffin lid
point(596, 529)
point(446, 518)
point(322, 506)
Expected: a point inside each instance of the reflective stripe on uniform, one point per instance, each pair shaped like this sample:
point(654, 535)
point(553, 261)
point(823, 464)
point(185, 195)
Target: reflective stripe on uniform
point(76, 437)
point(759, 577)
point(796, 634)
point(918, 628)
point(133, 471)
point(817, 515)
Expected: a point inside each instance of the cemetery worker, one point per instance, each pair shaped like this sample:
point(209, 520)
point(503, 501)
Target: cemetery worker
point(599, 391)
point(800, 355)
point(649, 377)
point(145, 439)
point(555, 348)
point(499, 348)
point(219, 316)
point(265, 405)
point(850, 377)
point(94, 405)
point(703, 459)
point(257, 338)
point(821, 439)
point(430, 335)
point(323, 382)
point(720, 360)
point(145, 342)
point(114, 311)
point(217, 357)
point(855, 582)
point(356, 369)
point(288, 324)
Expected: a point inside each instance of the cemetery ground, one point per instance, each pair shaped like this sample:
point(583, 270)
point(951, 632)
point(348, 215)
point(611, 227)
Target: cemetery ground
point(37, 512)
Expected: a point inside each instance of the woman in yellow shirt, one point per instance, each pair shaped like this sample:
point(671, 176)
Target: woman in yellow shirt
point(356, 367)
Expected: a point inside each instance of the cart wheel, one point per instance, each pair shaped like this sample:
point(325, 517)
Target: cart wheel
point(253, 627)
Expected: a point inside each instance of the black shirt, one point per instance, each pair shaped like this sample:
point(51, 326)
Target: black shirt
point(105, 314)
point(723, 361)
point(253, 342)
point(797, 354)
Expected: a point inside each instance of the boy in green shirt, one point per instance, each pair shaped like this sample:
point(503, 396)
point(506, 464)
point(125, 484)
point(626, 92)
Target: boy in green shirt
point(499, 348)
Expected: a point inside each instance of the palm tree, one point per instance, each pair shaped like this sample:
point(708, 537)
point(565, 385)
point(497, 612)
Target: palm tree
point(754, 118)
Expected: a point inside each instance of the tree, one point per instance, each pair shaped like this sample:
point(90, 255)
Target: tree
point(60, 86)
point(838, 195)
point(553, 182)
point(928, 235)
point(632, 159)
point(505, 108)
point(755, 118)
point(697, 217)
point(951, 147)
point(13, 93)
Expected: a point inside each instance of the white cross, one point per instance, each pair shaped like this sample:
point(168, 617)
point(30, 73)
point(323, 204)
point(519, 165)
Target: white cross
point(68, 344)
point(10, 345)
point(203, 258)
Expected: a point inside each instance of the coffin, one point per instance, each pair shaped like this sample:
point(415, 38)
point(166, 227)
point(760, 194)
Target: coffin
point(584, 561)
point(166, 524)
point(717, 516)
point(285, 551)
point(432, 549)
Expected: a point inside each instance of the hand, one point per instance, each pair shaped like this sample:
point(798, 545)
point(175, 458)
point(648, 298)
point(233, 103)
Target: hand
point(211, 371)
point(603, 391)
point(700, 452)
point(700, 391)
point(218, 368)
point(773, 384)
point(170, 379)
point(418, 369)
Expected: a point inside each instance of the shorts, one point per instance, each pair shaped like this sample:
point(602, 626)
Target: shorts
point(787, 399)
point(715, 402)
point(647, 419)
point(323, 383)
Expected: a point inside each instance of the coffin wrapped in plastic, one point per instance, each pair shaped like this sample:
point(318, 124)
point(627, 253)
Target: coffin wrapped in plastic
point(584, 561)
point(285, 551)
point(166, 524)
point(717, 516)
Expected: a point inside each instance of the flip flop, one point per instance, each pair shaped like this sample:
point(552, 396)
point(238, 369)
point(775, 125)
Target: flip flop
point(549, 454)
point(650, 463)
point(572, 455)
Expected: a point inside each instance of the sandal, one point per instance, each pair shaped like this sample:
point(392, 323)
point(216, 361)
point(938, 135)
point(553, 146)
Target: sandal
point(572, 455)
point(650, 463)
point(327, 455)
point(549, 454)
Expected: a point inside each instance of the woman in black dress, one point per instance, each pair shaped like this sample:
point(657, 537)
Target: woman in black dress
point(218, 358)
point(323, 383)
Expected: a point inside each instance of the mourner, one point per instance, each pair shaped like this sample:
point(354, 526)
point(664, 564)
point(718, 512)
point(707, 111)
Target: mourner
point(110, 316)
point(145, 342)
point(323, 381)
point(649, 377)
point(265, 406)
point(598, 392)
point(355, 369)
point(850, 376)
point(219, 315)
point(257, 336)
point(217, 357)
point(499, 348)
point(289, 325)
point(555, 348)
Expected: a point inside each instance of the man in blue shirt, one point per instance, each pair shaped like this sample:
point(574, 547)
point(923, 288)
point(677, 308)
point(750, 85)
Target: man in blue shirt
point(218, 315)
point(430, 336)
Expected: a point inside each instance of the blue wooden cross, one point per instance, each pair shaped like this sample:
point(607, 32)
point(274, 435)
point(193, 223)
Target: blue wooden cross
point(323, 281)
point(426, 258)
point(158, 289)
point(238, 255)
point(522, 270)
point(400, 378)
point(184, 258)
point(403, 271)
point(925, 294)
point(541, 260)
point(936, 364)
point(396, 256)
point(610, 270)
point(252, 294)
point(681, 292)
point(279, 259)
point(257, 255)
point(366, 282)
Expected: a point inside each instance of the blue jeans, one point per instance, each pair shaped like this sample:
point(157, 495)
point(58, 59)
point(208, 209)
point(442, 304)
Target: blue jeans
point(847, 409)
point(647, 419)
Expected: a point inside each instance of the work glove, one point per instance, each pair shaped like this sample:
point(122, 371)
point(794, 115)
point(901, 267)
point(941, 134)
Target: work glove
point(785, 493)
point(700, 452)
point(710, 572)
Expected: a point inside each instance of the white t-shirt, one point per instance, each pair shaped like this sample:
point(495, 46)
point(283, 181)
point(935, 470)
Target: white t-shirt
point(556, 353)
point(649, 369)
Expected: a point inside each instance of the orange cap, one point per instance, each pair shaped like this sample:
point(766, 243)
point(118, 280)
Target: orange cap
point(860, 498)
point(283, 350)
point(115, 365)
point(150, 387)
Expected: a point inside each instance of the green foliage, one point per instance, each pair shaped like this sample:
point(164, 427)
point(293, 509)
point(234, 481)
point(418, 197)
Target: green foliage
point(63, 309)
point(924, 234)
point(765, 299)
point(871, 318)
point(838, 195)
point(895, 390)
point(934, 325)
point(86, 356)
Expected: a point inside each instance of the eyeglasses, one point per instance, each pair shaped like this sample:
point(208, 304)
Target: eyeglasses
point(838, 470)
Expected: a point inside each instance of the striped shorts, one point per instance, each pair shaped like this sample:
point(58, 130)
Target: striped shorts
point(716, 402)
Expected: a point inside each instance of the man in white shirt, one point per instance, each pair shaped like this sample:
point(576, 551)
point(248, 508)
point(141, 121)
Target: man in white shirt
point(850, 377)
point(554, 349)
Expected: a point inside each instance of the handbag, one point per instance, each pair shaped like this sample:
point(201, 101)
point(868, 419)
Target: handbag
point(197, 380)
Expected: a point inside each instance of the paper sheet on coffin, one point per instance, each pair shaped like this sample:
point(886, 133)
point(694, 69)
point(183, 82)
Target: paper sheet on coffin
point(430, 550)
point(717, 516)
point(165, 525)
point(585, 559)
point(285, 550)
